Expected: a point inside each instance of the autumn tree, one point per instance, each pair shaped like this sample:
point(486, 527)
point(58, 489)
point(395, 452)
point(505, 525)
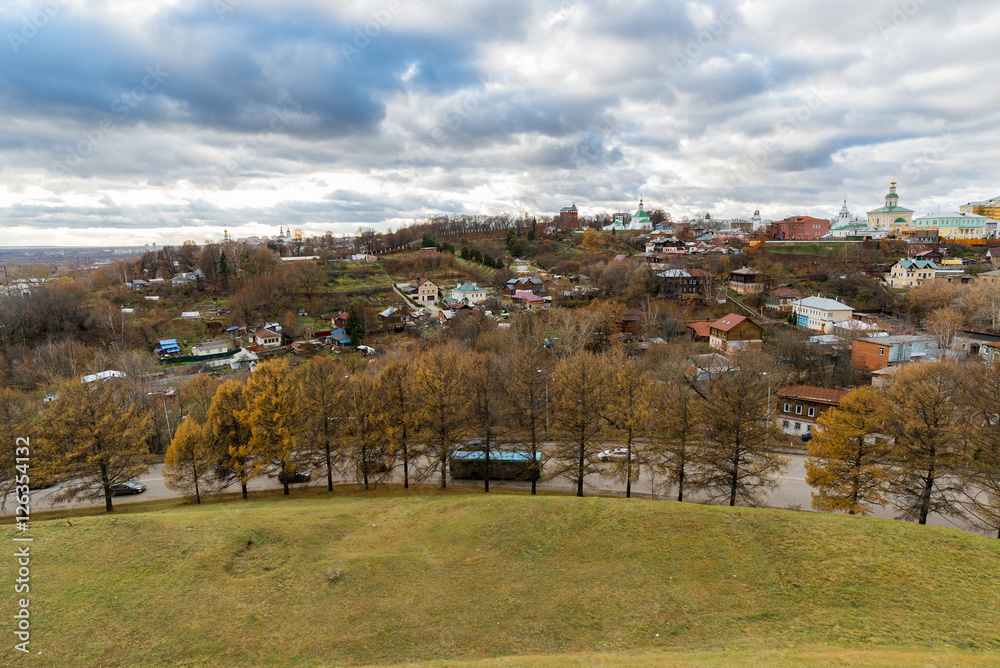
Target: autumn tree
point(676, 419)
point(97, 438)
point(627, 412)
point(735, 462)
point(272, 411)
point(441, 404)
point(13, 426)
point(188, 463)
point(849, 465)
point(368, 452)
point(528, 373)
point(924, 417)
point(485, 379)
point(396, 416)
point(196, 396)
point(980, 471)
point(579, 395)
point(236, 460)
point(306, 277)
point(322, 387)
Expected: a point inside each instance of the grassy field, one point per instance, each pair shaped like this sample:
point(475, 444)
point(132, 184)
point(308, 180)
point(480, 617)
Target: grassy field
point(503, 580)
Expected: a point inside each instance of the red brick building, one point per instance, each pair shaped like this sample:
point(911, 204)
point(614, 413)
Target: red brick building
point(799, 228)
point(569, 216)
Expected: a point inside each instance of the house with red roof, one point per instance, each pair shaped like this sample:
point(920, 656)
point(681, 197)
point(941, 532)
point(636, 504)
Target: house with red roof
point(735, 332)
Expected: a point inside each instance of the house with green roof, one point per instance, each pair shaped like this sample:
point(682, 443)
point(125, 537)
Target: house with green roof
point(892, 217)
point(468, 293)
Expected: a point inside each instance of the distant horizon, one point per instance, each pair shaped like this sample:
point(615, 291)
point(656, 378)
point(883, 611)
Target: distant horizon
point(119, 128)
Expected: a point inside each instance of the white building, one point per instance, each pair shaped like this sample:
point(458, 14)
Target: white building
point(820, 314)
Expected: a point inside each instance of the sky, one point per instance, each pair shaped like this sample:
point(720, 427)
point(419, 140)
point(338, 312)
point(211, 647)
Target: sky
point(126, 123)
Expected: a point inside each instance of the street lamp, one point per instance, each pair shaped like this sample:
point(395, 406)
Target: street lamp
point(546, 403)
point(768, 412)
point(165, 415)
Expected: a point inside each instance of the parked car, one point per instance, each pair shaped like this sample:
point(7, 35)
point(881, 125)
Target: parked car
point(806, 437)
point(130, 487)
point(614, 455)
point(294, 477)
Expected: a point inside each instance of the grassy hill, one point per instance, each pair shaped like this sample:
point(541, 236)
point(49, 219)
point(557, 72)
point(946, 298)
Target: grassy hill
point(456, 578)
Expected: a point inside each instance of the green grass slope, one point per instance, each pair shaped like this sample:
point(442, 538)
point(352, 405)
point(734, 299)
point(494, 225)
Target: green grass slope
point(466, 577)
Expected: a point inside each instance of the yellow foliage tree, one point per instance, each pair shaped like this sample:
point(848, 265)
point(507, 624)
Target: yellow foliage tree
point(236, 460)
point(321, 390)
point(188, 463)
point(396, 417)
point(13, 420)
point(627, 411)
point(925, 418)
point(272, 411)
point(579, 394)
point(441, 405)
point(849, 464)
point(97, 437)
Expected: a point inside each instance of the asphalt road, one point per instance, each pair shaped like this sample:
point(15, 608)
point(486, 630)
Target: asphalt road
point(791, 493)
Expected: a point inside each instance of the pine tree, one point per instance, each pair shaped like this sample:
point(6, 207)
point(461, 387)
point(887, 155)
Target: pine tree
point(355, 326)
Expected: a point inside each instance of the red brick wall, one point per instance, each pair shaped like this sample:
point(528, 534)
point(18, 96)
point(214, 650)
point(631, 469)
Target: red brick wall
point(865, 357)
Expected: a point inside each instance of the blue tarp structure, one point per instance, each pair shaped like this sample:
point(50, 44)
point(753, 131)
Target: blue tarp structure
point(168, 347)
point(341, 337)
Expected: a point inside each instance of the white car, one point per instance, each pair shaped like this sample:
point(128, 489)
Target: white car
point(614, 455)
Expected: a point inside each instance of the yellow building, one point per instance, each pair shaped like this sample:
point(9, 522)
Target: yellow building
point(956, 226)
point(989, 208)
point(891, 217)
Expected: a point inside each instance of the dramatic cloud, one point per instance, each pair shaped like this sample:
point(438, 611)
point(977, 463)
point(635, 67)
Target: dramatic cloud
point(125, 122)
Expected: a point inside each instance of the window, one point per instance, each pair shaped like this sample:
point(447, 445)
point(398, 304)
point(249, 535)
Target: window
point(812, 412)
point(788, 408)
point(784, 424)
point(798, 410)
point(881, 351)
point(798, 426)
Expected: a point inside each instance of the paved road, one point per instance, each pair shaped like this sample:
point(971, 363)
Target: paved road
point(793, 492)
point(410, 301)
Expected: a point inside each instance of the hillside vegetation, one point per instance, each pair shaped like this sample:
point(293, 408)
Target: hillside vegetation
point(464, 577)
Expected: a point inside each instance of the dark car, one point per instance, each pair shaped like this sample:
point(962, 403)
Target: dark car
point(294, 477)
point(806, 437)
point(130, 487)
